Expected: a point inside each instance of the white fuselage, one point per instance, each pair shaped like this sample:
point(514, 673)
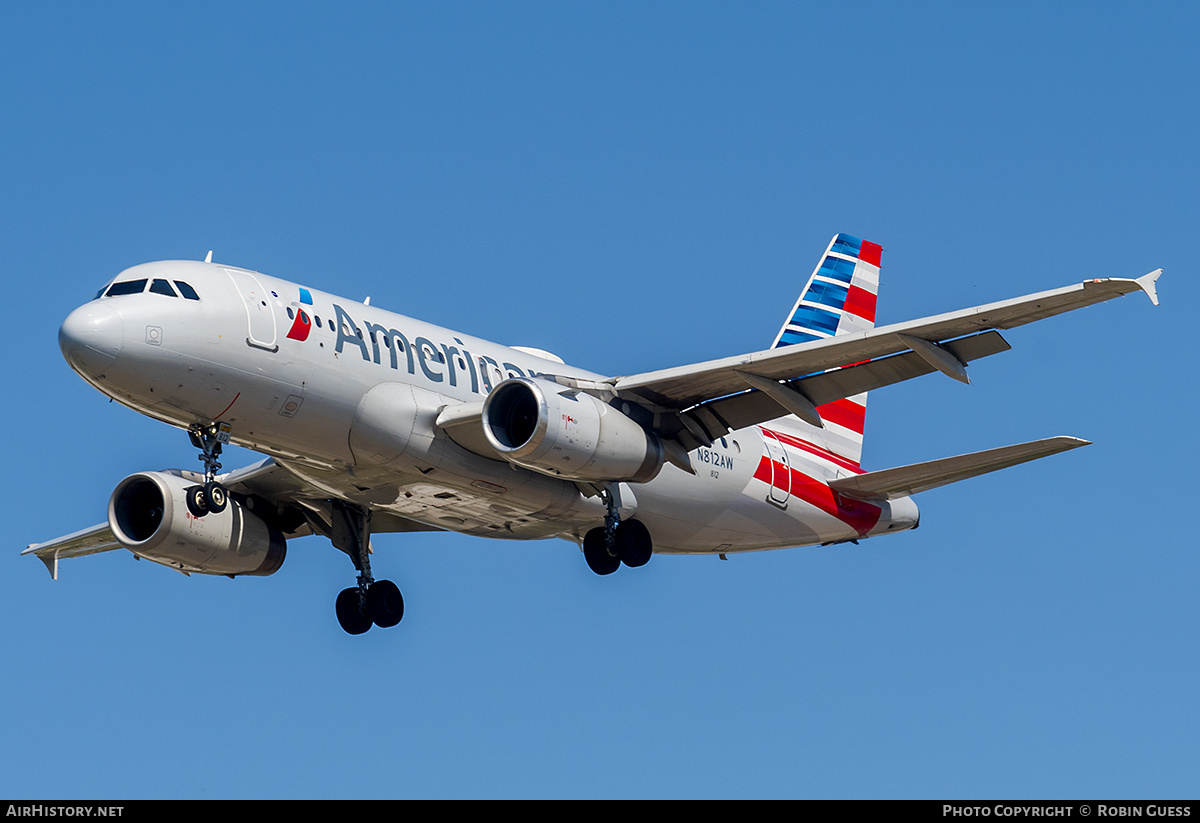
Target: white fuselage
point(313, 394)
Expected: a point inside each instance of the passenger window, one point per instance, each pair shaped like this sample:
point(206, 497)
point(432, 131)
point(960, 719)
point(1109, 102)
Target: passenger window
point(162, 287)
point(128, 287)
point(187, 291)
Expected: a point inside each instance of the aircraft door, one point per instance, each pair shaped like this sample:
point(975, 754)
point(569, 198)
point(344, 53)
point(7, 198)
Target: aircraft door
point(781, 472)
point(259, 315)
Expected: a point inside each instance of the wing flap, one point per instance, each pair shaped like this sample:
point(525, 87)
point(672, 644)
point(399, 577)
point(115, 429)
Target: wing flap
point(753, 407)
point(907, 480)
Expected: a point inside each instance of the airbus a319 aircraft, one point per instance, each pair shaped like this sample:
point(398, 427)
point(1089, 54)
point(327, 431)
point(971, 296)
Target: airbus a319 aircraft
point(373, 422)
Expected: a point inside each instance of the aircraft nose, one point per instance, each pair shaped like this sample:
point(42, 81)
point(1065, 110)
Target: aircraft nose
point(91, 337)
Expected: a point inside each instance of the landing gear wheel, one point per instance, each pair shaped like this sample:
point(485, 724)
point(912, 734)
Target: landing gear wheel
point(211, 497)
point(595, 552)
point(349, 612)
point(385, 605)
point(634, 546)
point(216, 496)
point(371, 602)
point(197, 501)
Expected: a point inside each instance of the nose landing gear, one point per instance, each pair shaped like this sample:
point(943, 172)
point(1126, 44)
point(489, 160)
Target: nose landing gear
point(211, 496)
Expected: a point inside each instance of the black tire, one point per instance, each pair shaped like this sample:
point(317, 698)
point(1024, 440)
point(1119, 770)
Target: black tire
point(216, 496)
point(595, 552)
point(385, 605)
point(634, 545)
point(197, 501)
point(349, 612)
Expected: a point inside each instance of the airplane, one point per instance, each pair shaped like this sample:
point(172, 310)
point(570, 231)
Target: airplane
point(372, 422)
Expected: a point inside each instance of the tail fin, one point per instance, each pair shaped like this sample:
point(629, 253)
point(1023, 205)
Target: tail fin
point(840, 295)
point(838, 299)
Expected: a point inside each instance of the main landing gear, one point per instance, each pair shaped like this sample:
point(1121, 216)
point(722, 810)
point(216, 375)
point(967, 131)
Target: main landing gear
point(371, 602)
point(618, 541)
point(211, 496)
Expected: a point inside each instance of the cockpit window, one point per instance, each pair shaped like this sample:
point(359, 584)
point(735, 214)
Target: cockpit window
point(162, 287)
point(186, 290)
point(127, 287)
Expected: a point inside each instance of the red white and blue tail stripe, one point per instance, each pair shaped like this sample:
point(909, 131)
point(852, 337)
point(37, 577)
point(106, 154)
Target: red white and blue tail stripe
point(839, 298)
point(840, 295)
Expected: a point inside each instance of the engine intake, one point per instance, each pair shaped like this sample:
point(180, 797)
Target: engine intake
point(566, 433)
point(148, 515)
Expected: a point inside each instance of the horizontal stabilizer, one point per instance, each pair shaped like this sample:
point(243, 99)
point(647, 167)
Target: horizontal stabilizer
point(919, 477)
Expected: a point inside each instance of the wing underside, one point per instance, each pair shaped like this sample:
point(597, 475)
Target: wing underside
point(298, 502)
point(696, 404)
point(701, 402)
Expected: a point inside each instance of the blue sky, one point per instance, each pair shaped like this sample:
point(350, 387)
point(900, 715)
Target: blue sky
point(631, 186)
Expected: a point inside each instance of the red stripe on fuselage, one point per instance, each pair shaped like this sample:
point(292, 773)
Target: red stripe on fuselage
point(814, 449)
point(856, 514)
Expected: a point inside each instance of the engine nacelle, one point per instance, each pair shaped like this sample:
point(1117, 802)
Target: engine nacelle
point(565, 433)
point(149, 516)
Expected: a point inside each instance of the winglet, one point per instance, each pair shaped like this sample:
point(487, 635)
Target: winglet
point(1147, 282)
point(51, 561)
point(98, 538)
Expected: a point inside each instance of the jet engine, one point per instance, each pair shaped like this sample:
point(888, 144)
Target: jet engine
point(566, 433)
point(148, 515)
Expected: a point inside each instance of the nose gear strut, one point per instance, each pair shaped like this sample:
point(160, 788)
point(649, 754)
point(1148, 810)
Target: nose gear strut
point(210, 497)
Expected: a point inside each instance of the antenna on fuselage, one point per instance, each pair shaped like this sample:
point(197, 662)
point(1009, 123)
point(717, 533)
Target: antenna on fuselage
point(208, 257)
point(367, 302)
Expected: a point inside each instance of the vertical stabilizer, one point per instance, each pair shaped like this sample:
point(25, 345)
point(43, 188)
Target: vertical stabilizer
point(839, 298)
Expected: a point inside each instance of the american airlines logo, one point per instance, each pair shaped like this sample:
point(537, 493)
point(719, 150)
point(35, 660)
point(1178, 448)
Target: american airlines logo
point(439, 362)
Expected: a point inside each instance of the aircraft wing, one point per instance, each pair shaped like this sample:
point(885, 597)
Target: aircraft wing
point(712, 398)
point(299, 501)
point(698, 403)
point(264, 476)
point(77, 544)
